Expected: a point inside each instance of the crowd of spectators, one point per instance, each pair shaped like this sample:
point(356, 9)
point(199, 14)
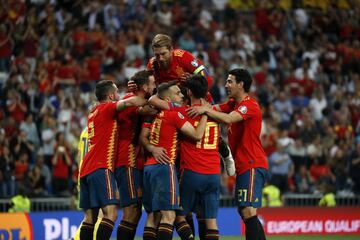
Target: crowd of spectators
point(304, 57)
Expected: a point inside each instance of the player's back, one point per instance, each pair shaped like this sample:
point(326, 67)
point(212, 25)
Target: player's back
point(202, 156)
point(102, 130)
point(164, 133)
point(127, 127)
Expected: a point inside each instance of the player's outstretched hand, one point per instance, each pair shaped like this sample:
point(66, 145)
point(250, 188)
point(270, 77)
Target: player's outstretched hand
point(160, 155)
point(196, 111)
point(185, 76)
point(132, 87)
point(205, 103)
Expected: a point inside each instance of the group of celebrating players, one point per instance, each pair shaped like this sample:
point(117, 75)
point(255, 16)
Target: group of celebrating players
point(162, 151)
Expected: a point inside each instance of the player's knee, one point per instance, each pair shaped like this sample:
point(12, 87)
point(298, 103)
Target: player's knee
point(247, 212)
point(168, 217)
point(152, 220)
point(110, 212)
point(90, 216)
point(132, 213)
point(180, 219)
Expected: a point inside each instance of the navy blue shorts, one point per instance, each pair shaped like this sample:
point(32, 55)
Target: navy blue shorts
point(129, 181)
point(98, 189)
point(249, 185)
point(200, 192)
point(161, 188)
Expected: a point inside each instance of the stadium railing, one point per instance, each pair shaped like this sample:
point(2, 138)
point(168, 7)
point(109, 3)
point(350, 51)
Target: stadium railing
point(42, 204)
point(291, 200)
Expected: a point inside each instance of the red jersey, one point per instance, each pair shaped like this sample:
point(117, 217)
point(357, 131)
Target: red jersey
point(182, 62)
point(164, 133)
point(102, 130)
point(202, 156)
point(127, 125)
point(244, 137)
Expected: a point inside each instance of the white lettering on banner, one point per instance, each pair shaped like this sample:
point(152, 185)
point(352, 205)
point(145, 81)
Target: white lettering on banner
point(65, 228)
point(294, 227)
point(54, 229)
point(337, 226)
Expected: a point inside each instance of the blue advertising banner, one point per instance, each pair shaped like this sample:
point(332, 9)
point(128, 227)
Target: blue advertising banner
point(63, 225)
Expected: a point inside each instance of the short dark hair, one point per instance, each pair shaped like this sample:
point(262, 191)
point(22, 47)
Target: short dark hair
point(242, 75)
point(198, 85)
point(141, 78)
point(164, 87)
point(103, 88)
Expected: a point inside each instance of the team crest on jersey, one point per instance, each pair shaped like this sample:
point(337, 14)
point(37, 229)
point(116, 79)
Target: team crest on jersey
point(194, 63)
point(180, 115)
point(242, 109)
point(178, 53)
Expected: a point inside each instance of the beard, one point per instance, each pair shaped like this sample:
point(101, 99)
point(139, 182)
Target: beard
point(164, 64)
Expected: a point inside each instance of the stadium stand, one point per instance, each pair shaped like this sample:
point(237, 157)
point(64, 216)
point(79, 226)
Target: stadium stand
point(304, 57)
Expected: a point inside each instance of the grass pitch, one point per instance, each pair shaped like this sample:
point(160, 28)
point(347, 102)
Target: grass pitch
point(295, 237)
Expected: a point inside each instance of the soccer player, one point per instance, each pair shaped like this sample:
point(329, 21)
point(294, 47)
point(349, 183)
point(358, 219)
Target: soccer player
point(128, 171)
point(177, 64)
point(200, 165)
point(82, 150)
point(173, 64)
point(97, 183)
point(251, 164)
point(200, 161)
point(160, 181)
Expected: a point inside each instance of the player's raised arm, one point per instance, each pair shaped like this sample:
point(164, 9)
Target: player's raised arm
point(217, 116)
point(159, 103)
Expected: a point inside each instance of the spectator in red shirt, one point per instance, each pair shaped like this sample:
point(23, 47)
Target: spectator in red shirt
point(65, 74)
point(319, 170)
point(61, 163)
point(6, 45)
point(21, 167)
point(16, 107)
point(30, 45)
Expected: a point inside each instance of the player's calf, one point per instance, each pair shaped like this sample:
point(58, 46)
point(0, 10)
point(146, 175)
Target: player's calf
point(106, 225)
point(183, 228)
point(127, 227)
point(166, 226)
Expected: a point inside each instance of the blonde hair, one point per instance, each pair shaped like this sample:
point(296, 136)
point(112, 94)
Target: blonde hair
point(161, 40)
